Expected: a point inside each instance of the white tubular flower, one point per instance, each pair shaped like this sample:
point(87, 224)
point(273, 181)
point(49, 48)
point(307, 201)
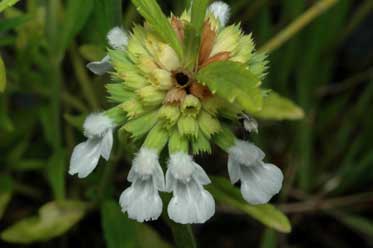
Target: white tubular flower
point(117, 39)
point(259, 181)
point(221, 11)
point(98, 128)
point(190, 203)
point(141, 200)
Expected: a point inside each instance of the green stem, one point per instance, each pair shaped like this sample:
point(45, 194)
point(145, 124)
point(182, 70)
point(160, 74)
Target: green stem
point(297, 25)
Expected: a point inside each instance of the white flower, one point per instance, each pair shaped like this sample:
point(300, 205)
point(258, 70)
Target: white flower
point(221, 11)
point(249, 123)
point(259, 181)
point(117, 39)
point(141, 200)
point(190, 203)
point(98, 128)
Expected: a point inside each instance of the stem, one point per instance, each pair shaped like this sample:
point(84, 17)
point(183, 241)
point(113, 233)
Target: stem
point(297, 25)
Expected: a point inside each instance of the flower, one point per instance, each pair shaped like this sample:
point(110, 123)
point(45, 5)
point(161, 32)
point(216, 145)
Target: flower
point(117, 39)
point(190, 203)
point(181, 83)
point(259, 180)
point(98, 128)
point(142, 201)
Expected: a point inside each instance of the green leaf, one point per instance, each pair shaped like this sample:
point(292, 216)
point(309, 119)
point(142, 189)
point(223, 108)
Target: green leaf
point(118, 229)
point(224, 192)
point(148, 237)
point(92, 52)
point(4, 4)
point(198, 14)
point(154, 16)
point(233, 82)
point(6, 188)
point(358, 223)
point(11, 23)
point(76, 15)
point(56, 174)
point(276, 107)
point(54, 219)
point(2, 75)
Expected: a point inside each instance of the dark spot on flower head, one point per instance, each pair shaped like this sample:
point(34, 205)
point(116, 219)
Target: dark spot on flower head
point(182, 79)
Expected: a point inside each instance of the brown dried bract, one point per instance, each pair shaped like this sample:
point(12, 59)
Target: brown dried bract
point(175, 95)
point(199, 90)
point(178, 26)
point(222, 56)
point(207, 42)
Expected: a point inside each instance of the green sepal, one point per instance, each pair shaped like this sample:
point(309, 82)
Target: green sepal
point(177, 143)
point(258, 65)
point(225, 139)
point(133, 108)
point(151, 96)
point(233, 82)
point(116, 114)
point(276, 107)
point(190, 106)
point(208, 125)
point(188, 126)
point(118, 93)
point(169, 114)
point(157, 138)
point(158, 22)
point(201, 144)
point(140, 126)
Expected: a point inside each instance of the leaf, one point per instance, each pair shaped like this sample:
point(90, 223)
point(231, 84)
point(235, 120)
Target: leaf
point(56, 174)
point(91, 52)
point(233, 82)
point(154, 16)
point(11, 23)
point(4, 4)
point(276, 107)
point(2, 75)
point(224, 192)
point(148, 237)
point(54, 219)
point(6, 189)
point(357, 223)
point(76, 15)
point(118, 229)
point(198, 14)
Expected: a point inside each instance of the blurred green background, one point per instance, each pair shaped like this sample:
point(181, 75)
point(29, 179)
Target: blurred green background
point(327, 158)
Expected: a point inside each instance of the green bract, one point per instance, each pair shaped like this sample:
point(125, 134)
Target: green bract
point(182, 79)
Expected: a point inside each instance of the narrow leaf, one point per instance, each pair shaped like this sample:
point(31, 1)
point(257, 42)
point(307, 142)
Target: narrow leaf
point(4, 4)
point(2, 75)
point(198, 14)
point(276, 107)
point(358, 223)
point(118, 229)
point(234, 82)
point(54, 219)
point(5, 192)
point(154, 16)
point(225, 193)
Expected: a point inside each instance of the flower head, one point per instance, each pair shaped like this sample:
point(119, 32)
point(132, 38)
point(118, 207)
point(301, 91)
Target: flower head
point(181, 82)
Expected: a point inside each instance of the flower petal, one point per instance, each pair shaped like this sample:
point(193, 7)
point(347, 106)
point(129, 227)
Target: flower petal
point(260, 183)
point(100, 67)
point(191, 204)
point(85, 158)
point(234, 170)
point(200, 175)
point(141, 201)
point(106, 145)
